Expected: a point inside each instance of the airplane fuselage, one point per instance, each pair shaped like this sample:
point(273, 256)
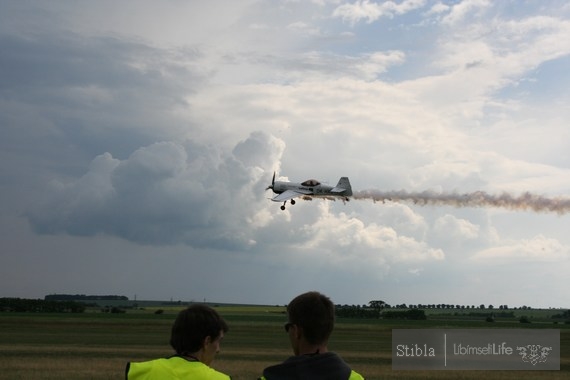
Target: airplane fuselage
point(307, 190)
point(324, 190)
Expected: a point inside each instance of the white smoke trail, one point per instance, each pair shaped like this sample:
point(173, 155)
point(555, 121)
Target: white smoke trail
point(525, 201)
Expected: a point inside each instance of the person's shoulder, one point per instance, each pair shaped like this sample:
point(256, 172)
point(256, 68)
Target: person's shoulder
point(217, 375)
point(211, 373)
point(207, 372)
point(172, 367)
point(355, 376)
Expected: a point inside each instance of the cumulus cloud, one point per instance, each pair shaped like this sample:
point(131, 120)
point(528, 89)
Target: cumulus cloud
point(166, 193)
point(538, 249)
point(352, 238)
point(421, 102)
point(449, 227)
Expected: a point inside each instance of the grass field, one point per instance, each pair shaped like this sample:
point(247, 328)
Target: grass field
point(97, 345)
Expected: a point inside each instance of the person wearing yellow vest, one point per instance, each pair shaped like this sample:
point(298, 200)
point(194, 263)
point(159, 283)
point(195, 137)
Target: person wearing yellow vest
point(311, 322)
point(196, 336)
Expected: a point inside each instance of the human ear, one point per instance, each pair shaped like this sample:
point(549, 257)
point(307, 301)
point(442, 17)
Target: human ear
point(298, 332)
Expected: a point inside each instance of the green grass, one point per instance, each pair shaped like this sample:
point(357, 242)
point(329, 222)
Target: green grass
point(95, 345)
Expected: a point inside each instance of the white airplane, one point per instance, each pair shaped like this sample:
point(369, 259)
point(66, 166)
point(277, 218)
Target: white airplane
point(308, 190)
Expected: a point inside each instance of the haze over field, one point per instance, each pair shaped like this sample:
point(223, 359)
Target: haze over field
point(137, 138)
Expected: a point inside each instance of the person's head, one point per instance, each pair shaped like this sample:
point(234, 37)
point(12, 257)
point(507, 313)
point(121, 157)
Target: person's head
point(312, 315)
point(197, 331)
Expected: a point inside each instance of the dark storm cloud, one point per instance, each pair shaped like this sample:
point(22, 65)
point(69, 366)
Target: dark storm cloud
point(65, 59)
point(165, 193)
point(65, 98)
point(46, 62)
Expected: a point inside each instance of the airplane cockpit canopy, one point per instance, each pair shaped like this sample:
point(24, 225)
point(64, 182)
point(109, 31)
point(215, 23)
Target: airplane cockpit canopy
point(311, 182)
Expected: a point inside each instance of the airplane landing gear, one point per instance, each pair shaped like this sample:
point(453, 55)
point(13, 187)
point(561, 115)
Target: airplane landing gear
point(284, 203)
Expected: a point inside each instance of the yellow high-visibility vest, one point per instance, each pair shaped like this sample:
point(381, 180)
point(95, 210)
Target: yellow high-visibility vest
point(353, 376)
point(172, 368)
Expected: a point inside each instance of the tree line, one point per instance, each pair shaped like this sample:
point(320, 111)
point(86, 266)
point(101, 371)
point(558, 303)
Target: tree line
point(20, 305)
point(377, 304)
point(379, 309)
point(375, 310)
point(83, 297)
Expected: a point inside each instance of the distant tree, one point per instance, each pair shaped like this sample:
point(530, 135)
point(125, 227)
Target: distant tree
point(414, 314)
point(524, 319)
point(346, 311)
point(377, 304)
point(563, 315)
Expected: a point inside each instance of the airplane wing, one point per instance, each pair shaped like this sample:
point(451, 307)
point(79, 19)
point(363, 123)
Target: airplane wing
point(288, 194)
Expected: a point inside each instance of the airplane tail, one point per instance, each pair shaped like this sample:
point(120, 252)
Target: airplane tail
point(343, 186)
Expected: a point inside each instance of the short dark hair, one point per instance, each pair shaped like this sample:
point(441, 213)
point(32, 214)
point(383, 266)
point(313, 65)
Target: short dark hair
point(314, 313)
point(193, 325)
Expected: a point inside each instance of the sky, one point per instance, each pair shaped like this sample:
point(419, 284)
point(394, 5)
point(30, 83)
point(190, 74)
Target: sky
point(137, 139)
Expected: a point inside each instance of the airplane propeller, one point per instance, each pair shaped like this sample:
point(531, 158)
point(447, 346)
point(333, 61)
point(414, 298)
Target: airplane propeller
point(272, 183)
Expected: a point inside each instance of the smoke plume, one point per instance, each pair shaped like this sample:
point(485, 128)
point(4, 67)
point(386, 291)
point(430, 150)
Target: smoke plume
point(525, 201)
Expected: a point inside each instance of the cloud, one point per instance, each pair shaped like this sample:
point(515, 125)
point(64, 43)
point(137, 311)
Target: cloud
point(372, 11)
point(81, 96)
point(451, 228)
point(538, 249)
point(165, 193)
point(304, 28)
point(379, 62)
point(438, 8)
point(463, 9)
point(350, 238)
point(476, 65)
point(448, 97)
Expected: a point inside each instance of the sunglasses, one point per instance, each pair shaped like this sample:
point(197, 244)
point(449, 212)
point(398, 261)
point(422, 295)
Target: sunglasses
point(288, 326)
